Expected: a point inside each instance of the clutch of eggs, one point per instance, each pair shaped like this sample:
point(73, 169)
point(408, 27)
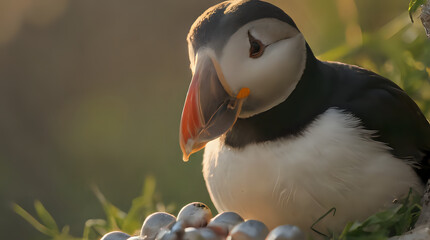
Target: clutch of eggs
point(195, 222)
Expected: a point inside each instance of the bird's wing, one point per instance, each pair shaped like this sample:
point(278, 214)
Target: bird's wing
point(383, 106)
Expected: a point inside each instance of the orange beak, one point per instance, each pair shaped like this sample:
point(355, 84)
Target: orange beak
point(210, 110)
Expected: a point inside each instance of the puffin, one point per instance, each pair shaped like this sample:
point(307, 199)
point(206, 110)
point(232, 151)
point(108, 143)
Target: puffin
point(288, 137)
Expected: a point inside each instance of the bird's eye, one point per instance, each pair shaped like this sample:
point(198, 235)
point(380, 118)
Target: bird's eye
point(256, 48)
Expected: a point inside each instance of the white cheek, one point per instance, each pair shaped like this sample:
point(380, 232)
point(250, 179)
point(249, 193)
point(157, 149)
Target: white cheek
point(271, 77)
point(279, 68)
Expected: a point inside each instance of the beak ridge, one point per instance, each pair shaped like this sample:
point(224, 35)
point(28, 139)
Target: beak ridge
point(209, 110)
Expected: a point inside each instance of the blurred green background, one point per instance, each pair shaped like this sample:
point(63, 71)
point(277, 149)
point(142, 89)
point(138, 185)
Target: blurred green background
point(91, 92)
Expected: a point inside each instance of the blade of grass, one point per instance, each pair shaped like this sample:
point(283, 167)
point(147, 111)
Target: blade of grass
point(45, 217)
point(140, 206)
point(113, 214)
point(64, 235)
point(148, 189)
point(321, 218)
point(413, 6)
point(30, 219)
point(94, 227)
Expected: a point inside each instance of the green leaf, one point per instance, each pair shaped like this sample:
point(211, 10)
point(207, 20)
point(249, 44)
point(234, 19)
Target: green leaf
point(413, 6)
point(30, 219)
point(393, 221)
point(45, 217)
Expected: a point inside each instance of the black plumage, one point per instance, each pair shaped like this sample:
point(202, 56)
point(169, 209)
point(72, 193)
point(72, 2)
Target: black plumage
point(379, 103)
point(216, 25)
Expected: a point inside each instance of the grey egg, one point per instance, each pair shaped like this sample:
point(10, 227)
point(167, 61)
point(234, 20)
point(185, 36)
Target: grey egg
point(209, 234)
point(192, 233)
point(165, 234)
point(116, 235)
point(286, 232)
point(194, 214)
point(154, 223)
point(178, 228)
point(135, 238)
point(249, 230)
point(224, 222)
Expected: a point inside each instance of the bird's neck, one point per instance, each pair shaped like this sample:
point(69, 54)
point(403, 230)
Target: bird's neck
point(291, 117)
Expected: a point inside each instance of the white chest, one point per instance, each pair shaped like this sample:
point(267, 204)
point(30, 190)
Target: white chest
point(334, 163)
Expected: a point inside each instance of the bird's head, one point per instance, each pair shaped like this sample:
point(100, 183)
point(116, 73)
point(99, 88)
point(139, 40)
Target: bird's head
point(246, 57)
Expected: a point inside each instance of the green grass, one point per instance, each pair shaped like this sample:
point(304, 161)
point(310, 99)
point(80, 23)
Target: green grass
point(393, 221)
point(116, 219)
